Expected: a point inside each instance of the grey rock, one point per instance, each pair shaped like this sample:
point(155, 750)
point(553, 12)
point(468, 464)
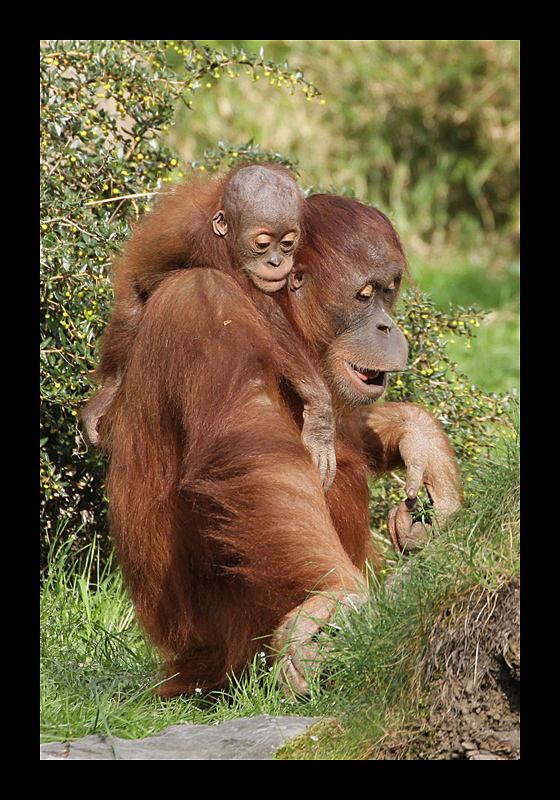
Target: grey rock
point(246, 739)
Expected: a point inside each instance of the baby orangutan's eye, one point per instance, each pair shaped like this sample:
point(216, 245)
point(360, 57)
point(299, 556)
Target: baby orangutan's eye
point(289, 241)
point(262, 241)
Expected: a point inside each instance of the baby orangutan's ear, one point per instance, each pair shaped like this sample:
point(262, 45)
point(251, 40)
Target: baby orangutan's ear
point(295, 280)
point(219, 224)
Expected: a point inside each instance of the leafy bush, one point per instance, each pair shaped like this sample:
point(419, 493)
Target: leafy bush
point(106, 107)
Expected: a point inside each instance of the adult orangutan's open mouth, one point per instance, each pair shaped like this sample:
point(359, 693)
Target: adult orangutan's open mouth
point(373, 377)
point(368, 381)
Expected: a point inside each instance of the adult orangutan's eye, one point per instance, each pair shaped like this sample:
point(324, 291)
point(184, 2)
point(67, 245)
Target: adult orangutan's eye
point(366, 292)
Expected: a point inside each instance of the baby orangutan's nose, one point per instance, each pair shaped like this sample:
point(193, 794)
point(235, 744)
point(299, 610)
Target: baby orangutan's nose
point(275, 258)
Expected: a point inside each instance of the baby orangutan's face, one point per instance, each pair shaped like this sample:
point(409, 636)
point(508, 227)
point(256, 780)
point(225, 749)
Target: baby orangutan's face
point(260, 218)
point(266, 254)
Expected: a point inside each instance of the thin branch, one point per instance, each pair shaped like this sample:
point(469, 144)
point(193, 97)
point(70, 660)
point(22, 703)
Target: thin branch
point(120, 197)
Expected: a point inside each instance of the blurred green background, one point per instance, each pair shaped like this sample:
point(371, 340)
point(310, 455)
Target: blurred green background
point(428, 130)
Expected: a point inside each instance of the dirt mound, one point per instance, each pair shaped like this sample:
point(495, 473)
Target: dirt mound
point(474, 666)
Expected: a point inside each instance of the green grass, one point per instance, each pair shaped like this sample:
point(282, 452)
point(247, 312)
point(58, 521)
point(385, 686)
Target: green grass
point(98, 672)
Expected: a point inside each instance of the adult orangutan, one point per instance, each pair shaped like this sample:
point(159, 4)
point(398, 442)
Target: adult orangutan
point(227, 541)
point(246, 223)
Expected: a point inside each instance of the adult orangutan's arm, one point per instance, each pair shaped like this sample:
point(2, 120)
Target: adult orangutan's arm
point(402, 435)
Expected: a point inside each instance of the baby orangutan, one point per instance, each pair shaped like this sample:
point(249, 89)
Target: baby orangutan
point(247, 224)
point(262, 219)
